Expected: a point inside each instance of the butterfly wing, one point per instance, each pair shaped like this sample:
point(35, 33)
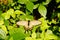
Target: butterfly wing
point(33, 23)
point(23, 23)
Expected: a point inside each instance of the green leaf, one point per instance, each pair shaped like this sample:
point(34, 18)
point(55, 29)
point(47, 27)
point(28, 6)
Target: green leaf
point(33, 0)
point(12, 21)
point(17, 7)
point(13, 4)
point(36, 6)
point(10, 11)
point(1, 17)
point(6, 15)
point(10, 2)
point(23, 1)
point(28, 12)
point(11, 38)
point(42, 10)
point(57, 1)
point(28, 38)
point(33, 35)
point(3, 27)
point(0, 12)
point(13, 15)
point(1, 22)
point(59, 6)
point(49, 35)
point(6, 22)
point(22, 17)
point(46, 2)
point(44, 24)
point(58, 16)
point(17, 33)
point(29, 17)
point(2, 34)
point(30, 6)
point(19, 12)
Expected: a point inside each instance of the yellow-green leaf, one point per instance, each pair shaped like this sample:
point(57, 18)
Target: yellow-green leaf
point(19, 12)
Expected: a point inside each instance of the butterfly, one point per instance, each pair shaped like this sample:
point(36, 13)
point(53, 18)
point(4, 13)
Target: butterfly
point(28, 25)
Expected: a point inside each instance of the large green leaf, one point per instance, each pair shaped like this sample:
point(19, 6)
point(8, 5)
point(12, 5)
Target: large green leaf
point(30, 6)
point(42, 10)
point(17, 33)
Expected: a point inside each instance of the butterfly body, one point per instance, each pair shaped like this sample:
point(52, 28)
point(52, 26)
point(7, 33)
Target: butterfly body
point(29, 24)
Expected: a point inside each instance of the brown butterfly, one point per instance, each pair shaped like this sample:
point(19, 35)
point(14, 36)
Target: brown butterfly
point(29, 25)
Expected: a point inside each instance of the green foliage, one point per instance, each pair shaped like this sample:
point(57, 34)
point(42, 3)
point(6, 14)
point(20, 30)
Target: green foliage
point(45, 11)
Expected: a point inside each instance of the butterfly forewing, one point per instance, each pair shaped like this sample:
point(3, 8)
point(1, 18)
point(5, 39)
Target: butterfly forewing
point(33, 23)
point(23, 23)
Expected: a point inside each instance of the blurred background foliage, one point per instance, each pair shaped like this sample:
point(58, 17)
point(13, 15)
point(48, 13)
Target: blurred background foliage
point(47, 11)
